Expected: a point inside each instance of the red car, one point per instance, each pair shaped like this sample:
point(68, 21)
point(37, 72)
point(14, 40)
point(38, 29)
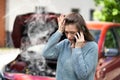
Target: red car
point(19, 76)
point(107, 35)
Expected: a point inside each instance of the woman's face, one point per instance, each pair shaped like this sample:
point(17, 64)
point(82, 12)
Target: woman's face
point(70, 31)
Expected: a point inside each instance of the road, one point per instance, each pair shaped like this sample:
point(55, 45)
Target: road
point(7, 55)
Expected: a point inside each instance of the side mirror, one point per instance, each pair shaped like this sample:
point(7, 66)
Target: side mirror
point(111, 52)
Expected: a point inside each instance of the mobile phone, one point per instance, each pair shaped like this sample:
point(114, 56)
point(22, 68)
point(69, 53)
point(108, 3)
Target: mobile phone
point(75, 38)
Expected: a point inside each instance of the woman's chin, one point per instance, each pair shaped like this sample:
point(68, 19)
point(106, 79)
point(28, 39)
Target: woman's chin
point(71, 41)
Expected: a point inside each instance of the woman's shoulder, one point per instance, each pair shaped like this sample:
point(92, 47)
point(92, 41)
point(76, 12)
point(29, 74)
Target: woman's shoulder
point(92, 44)
point(65, 41)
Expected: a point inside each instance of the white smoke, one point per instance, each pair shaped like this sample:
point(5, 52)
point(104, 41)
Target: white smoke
point(38, 31)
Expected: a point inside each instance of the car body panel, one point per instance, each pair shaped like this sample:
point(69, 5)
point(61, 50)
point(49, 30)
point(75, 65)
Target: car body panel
point(19, 76)
point(108, 68)
point(103, 27)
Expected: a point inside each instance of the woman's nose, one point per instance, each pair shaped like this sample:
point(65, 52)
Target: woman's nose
point(69, 35)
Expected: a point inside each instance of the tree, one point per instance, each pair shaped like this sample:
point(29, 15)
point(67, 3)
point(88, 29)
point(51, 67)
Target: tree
point(110, 10)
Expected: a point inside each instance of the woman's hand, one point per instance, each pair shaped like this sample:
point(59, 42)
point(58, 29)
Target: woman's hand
point(61, 23)
point(80, 41)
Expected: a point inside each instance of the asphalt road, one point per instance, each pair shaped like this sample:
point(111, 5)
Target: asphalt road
point(7, 55)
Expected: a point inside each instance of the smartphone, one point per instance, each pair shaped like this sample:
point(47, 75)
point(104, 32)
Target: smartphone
point(75, 38)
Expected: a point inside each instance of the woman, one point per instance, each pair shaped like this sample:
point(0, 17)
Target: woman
point(77, 55)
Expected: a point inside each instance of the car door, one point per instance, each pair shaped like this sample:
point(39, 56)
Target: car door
point(111, 62)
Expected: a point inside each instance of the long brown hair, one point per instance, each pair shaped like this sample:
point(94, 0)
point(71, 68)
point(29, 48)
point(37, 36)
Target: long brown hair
point(77, 19)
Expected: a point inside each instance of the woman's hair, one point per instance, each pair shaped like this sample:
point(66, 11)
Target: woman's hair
point(77, 19)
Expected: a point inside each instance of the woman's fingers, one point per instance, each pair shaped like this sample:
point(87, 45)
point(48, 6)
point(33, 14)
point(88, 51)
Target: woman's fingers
point(60, 18)
point(61, 23)
point(80, 37)
point(76, 37)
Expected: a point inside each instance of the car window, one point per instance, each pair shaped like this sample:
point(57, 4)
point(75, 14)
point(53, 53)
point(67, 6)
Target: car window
point(117, 30)
point(110, 41)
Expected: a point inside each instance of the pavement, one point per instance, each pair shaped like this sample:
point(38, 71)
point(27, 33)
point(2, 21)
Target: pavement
point(7, 55)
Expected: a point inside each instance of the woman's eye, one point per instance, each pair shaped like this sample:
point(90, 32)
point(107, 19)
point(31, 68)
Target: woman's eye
point(72, 32)
point(66, 32)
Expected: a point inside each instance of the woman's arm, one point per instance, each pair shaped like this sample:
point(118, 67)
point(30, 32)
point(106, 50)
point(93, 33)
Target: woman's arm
point(51, 49)
point(85, 64)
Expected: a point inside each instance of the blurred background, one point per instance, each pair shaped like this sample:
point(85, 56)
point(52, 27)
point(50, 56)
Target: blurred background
point(90, 9)
point(14, 14)
point(11, 8)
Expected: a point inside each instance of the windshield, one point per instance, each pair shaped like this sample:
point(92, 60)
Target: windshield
point(96, 34)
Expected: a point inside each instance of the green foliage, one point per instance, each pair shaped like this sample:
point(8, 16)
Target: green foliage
point(110, 40)
point(110, 10)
